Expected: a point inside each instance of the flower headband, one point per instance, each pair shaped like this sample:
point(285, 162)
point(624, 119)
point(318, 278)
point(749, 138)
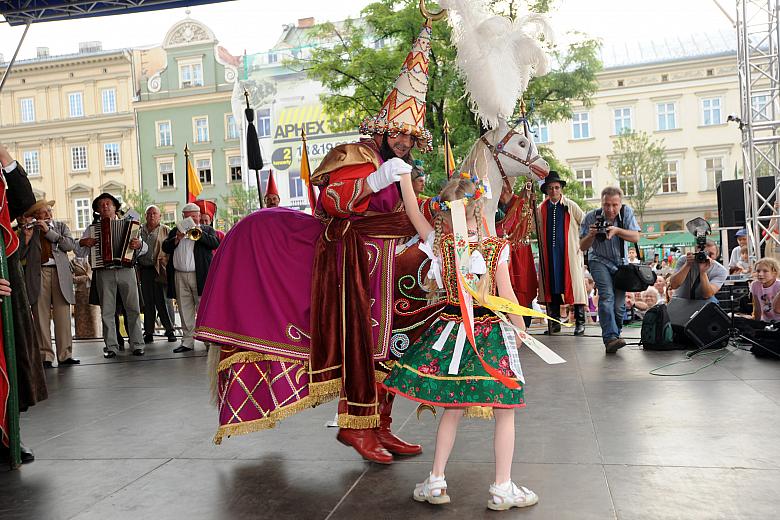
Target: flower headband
point(438, 205)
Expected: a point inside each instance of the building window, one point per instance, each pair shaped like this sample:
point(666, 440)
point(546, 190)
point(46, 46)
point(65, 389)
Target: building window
point(109, 100)
point(622, 120)
point(585, 177)
point(28, 110)
point(272, 58)
point(204, 171)
point(666, 118)
point(541, 133)
point(234, 163)
point(190, 74)
point(628, 185)
point(713, 168)
point(201, 129)
point(232, 127)
point(166, 174)
point(710, 110)
point(164, 136)
point(111, 152)
point(580, 125)
point(78, 158)
point(296, 185)
point(670, 179)
point(83, 213)
point(264, 122)
point(76, 104)
point(169, 215)
point(32, 163)
point(760, 106)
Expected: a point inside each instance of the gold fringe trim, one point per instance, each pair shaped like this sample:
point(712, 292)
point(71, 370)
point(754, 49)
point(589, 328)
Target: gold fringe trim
point(324, 391)
point(479, 412)
point(254, 357)
point(380, 376)
point(358, 422)
point(266, 423)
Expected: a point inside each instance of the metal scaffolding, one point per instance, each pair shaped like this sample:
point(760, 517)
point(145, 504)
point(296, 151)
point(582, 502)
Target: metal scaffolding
point(758, 48)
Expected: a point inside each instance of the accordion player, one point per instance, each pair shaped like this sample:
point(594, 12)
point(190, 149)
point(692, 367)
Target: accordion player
point(112, 242)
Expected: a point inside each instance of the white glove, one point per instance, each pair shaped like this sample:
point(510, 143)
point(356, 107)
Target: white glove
point(390, 172)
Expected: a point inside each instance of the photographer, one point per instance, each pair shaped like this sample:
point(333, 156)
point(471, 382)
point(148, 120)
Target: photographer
point(605, 234)
point(698, 276)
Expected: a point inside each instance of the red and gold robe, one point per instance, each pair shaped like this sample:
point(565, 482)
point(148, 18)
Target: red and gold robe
point(516, 227)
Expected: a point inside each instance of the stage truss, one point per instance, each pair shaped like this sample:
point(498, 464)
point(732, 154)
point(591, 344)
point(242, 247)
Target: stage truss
point(758, 54)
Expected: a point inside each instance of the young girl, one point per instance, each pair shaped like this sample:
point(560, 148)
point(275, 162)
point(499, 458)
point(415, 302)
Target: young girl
point(425, 373)
point(765, 291)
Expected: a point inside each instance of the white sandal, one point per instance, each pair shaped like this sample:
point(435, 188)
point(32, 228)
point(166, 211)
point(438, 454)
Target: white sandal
point(423, 492)
point(509, 495)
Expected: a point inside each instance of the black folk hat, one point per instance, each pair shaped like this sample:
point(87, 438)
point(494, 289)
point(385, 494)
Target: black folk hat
point(552, 177)
point(116, 202)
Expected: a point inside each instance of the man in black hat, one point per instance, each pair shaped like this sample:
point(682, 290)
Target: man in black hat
point(115, 280)
point(563, 271)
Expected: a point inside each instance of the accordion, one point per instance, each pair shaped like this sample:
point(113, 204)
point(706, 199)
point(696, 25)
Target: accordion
point(112, 247)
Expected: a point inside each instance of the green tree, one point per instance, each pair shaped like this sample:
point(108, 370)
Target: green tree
point(574, 190)
point(138, 201)
point(639, 165)
point(359, 66)
point(236, 205)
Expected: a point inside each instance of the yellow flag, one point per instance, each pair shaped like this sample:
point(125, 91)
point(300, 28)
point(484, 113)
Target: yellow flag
point(194, 186)
point(449, 158)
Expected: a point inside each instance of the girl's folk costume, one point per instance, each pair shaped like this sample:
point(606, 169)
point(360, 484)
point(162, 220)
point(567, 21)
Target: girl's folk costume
point(441, 368)
point(324, 300)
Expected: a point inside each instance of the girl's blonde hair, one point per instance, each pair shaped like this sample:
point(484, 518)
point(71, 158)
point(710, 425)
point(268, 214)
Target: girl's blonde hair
point(769, 263)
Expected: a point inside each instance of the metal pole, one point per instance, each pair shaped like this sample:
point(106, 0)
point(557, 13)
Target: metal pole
point(13, 60)
point(186, 174)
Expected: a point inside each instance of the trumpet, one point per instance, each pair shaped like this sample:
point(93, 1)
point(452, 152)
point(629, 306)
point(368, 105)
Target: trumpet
point(194, 233)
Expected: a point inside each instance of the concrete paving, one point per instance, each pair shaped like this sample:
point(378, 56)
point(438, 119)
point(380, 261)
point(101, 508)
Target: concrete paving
point(601, 438)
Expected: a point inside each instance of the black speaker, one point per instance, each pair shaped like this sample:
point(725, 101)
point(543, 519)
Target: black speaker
point(731, 201)
point(700, 322)
point(709, 327)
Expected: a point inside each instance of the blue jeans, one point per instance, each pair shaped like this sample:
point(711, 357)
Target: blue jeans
point(612, 302)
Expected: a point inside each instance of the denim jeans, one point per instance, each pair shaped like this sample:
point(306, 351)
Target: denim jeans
point(612, 302)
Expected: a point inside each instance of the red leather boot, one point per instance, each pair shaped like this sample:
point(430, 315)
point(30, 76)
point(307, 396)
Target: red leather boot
point(392, 443)
point(366, 443)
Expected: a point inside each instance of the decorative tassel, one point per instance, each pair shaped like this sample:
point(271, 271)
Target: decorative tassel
point(358, 422)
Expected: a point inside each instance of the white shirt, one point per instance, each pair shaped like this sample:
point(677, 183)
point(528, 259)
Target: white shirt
point(184, 256)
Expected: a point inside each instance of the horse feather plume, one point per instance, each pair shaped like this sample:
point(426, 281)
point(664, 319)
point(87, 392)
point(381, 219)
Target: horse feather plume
point(497, 57)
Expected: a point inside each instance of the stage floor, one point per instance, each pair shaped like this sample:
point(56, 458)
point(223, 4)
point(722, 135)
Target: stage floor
point(601, 438)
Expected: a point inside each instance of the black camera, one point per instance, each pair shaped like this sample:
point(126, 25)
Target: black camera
point(700, 228)
point(701, 244)
point(601, 227)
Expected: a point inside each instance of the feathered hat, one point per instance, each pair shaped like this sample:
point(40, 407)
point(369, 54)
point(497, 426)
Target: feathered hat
point(403, 112)
point(270, 188)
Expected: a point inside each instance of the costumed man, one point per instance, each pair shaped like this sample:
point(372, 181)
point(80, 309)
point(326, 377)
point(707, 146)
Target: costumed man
point(16, 195)
point(322, 327)
point(271, 198)
point(208, 211)
point(115, 281)
point(514, 222)
point(44, 247)
point(564, 263)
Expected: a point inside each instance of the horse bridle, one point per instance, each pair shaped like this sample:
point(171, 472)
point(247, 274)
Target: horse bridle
point(498, 150)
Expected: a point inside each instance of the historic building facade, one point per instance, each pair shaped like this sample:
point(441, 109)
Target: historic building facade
point(184, 99)
point(69, 121)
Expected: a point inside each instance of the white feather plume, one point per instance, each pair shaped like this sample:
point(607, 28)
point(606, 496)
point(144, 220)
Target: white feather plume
point(496, 56)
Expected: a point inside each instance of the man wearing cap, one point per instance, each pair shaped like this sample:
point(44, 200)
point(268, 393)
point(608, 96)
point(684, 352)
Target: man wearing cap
point(44, 248)
point(208, 211)
point(562, 273)
point(153, 274)
point(187, 270)
point(115, 280)
point(271, 198)
point(736, 252)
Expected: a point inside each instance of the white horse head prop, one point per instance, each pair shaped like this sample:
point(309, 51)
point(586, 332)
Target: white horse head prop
point(504, 152)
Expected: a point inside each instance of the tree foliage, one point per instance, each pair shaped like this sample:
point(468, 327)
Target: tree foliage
point(236, 205)
point(361, 60)
point(639, 165)
point(138, 201)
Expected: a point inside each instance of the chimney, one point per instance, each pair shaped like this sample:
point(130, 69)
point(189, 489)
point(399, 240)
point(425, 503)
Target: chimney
point(87, 47)
point(42, 52)
point(306, 23)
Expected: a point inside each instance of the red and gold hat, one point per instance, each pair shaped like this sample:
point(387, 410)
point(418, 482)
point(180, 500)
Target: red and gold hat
point(207, 207)
point(403, 112)
point(270, 188)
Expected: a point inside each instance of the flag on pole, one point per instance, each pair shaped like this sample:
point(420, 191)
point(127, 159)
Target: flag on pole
point(449, 159)
point(306, 172)
point(194, 186)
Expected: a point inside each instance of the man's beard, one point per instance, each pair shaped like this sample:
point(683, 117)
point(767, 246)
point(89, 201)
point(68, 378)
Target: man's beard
point(388, 153)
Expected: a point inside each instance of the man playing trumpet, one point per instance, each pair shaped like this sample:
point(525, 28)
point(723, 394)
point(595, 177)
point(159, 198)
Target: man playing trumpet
point(191, 247)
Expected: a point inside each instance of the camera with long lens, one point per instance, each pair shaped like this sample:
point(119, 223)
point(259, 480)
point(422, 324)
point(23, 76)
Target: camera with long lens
point(700, 228)
point(601, 227)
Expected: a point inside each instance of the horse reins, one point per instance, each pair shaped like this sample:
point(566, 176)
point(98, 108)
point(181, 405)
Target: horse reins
point(498, 150)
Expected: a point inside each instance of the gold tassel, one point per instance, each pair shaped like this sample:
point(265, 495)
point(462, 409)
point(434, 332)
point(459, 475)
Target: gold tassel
point(254, 357)
point(266, 423)
point(324, 391)
point(479, 412)
point(358, 422)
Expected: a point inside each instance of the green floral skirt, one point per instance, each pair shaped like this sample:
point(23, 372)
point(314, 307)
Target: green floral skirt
point(421, 374)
